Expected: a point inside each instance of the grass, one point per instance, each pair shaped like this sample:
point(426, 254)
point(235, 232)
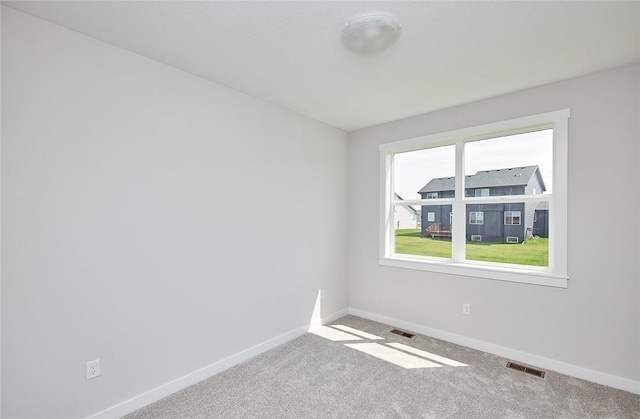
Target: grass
point(533, 252)
point(410, 242)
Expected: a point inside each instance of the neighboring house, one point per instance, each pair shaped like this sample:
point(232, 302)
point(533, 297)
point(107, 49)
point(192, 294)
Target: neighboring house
point(541, 220)
point(497, 223)
point(406, 216)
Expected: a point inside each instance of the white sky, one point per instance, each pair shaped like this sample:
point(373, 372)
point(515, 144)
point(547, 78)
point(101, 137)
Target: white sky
point(415, 169)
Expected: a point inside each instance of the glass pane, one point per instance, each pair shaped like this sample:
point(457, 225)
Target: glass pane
point(423, 231)
point(508, 233)
point(424, 174)
point(512, 165)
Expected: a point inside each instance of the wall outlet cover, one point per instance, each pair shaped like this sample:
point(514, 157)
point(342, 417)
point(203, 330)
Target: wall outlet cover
point(93, 369)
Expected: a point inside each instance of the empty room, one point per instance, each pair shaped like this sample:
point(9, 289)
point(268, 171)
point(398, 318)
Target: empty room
point(320, 209)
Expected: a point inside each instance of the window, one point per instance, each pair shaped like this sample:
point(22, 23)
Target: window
point(476, 217)
point(511, 218)
point(481, 190)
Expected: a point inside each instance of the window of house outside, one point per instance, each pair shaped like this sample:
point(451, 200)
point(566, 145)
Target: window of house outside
point(476, 217)
point(512, 217)
point(492, 200)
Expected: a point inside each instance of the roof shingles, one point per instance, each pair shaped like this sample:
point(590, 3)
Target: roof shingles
point(514, 176)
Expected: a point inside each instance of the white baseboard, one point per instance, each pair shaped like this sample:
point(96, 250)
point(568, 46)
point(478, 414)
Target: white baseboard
point(328, 319)
point(527, 358)
point(144, 399)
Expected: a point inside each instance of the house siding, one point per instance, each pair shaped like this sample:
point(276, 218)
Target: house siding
point(493, 229)
point(498, 191)
point(442, 215)
point(405, 218)
point(539, 227)
point(541, 223)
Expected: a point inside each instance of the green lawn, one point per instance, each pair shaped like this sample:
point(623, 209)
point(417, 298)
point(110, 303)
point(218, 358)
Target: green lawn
point(532, 252)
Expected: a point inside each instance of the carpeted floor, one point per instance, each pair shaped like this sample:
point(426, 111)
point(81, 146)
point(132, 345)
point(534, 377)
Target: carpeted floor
point(316, 377)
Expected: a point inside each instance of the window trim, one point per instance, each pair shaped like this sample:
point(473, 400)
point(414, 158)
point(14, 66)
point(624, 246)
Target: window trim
point(555, 275)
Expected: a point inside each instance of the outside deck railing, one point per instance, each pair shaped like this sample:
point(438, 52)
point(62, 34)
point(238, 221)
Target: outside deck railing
point(439, 230)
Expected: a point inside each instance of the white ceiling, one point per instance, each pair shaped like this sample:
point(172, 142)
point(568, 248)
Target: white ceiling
point(289, 53)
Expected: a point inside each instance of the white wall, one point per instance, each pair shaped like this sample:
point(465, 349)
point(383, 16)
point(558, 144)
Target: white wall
point(117, 176)
point(594, 323)
point(117, 242)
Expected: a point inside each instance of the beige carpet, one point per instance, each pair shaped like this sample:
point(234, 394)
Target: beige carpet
point(355, 368)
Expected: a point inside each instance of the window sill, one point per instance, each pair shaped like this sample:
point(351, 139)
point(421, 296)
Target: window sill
point(498, 273)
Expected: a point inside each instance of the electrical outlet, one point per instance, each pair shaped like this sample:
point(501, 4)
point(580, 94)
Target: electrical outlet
point(466, 309)
point(93, 369)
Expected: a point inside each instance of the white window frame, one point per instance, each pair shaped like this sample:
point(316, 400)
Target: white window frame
point(432, 195)
point(475, 193)
point(475, 217)
point(554, 275)
point(431, 216)
point(509, 215)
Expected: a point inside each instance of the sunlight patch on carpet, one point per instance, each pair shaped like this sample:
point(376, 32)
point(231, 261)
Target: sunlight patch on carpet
point(356, 332)
point(393, 356)
point(428, 355)
point(333, 334)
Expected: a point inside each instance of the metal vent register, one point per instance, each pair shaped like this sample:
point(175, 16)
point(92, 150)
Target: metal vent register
point(527, 370)
point(402, 333)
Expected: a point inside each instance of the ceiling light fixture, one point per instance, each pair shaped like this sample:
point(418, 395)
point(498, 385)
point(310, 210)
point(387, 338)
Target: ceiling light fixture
point(370, 33)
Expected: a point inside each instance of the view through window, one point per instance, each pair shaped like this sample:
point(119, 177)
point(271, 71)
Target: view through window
point(485, 199)
point(508, 166)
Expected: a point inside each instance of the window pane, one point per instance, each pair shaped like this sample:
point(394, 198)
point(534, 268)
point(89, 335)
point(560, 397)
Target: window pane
point(476, 217)
point(512, 165)
point(424, 174)
point(512, 218)
point(509, 233)
point(429, 234)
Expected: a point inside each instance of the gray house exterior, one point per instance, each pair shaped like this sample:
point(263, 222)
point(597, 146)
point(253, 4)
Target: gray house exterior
point(541, 220)
point(495, 223)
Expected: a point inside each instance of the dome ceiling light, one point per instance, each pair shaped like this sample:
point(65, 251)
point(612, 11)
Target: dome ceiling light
point(370, 33)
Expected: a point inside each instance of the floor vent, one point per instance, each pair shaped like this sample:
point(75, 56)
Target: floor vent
point(527, 370)
point(402, 333)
